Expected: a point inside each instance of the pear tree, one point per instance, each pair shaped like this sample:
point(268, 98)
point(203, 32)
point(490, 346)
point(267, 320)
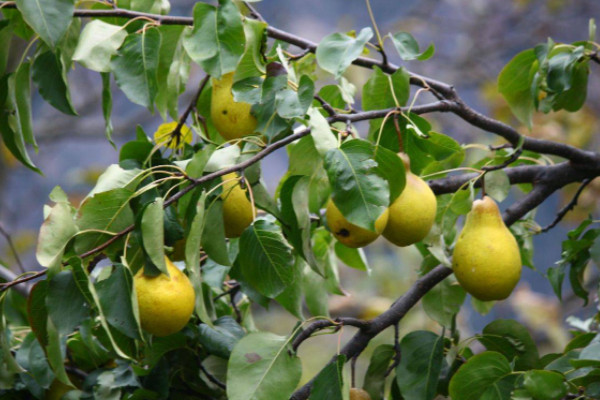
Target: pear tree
point(98, 318)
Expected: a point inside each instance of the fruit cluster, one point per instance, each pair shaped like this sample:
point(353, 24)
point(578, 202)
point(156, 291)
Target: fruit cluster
point(486, 258)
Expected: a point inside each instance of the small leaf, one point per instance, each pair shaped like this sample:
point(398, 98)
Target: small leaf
point(50, 76)
point(65, 303)
point(420, 365)
point(153, 234)
point(514, 82)
point(267, 262)
point(49, 18)
point(216, 42)
point(213, 235)
point(329, 383)
point(354, 258)
point(385, 91)
point(98, 42)
point(497, 184)
point(261, 368)
point(323, 138)
point(511, 339)
point(337, 51)
point(443, 302)
point(135, 66)
point(376, 372)
point(408, 48)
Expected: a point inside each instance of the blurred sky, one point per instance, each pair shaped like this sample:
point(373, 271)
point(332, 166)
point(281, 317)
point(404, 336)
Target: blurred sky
point(473, 39)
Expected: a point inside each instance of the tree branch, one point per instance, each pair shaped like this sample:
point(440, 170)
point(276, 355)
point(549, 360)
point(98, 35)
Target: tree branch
point(570, 205)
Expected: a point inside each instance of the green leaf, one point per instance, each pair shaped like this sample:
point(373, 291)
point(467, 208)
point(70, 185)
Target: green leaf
point(408, 48)
point(37, 314)
point(217, 40)
point(305, 160)
point(98, 42)
point(391, 167)
point(573, 99)
point(6, 32)
point(107, 107)
point(337, 51)
point(315, 293)
point(290, 104)
point(360, 194)
point(22, 101)
point(153, 234)
point(419, 369)
point(511, 339)
point(49, 18)
point(545, 385)
point(497, 184)
point(375, 376)
point(117, 296)
point(323, 138)
point(10, 364)
point(354, 258)
point(291, 297)
point(329, 383)
point(66, 305)
point(270, 123)
point(107, 211)
point(590, 354)
point(443, 302)
point(385, 91)
point(261, 368)
point(56, 353)
point(135, 66)
point(480, 377)
point(252, 63)
point(221, 338)
point(50, 76)
point(514, 82)
point(213, 235)
point(266, 258)
point(56, 231)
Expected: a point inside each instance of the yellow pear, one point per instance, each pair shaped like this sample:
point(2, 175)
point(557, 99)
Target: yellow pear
point(486, 259)
point(165, 302)
point(413, 212)
point(237, 209)
point(232, 119)
point(359, 394)
point(349, 234)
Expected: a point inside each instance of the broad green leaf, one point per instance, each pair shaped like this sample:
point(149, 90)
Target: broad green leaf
point(68, 43)
point(223, 158)
point(266, 258)
point(336, 52)
point(590, 354)
point(192, 258)
point(480, 377)
point(153, 234)
point(56, 231)
point(270, 123)
point(391, 168)
point(408, 48)
point(514, 82)
point(98, 42)
point(443, 302)
point(560, 70)
point(323, 138)
point(420, 365)
point(573, 99)
point(385, 91)
point(37, 313)
point(357, 191)
point(108, 212)
point(497, 184)
point(115, 177)
point(252, 62)
point(261, 368)
point(315, 293)
point(305, 160)
point(135, 66)
point(221, 338)
point(213, 235)
point(216, 42)
point(375, 376)
point(116, 294)
point(329, 383)
point(354, 258)
point(66, 305)
point(290, 103)
point(50, 76)
point(49, 18)
point(56, 353)
point(173, 70)
point(511, 339)
point(545, 385)
point(291, 297)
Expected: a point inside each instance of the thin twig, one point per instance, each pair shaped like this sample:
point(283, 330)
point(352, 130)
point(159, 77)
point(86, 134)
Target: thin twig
point(326, 106)
point(176, 133)
point(254, 12)
point(13, 249)
point(397, 353)
point(570, 205)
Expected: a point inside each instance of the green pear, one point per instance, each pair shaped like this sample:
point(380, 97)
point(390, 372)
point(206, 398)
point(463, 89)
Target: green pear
point(486, 259)
point(412, 214)
point(349, 234)
point(232, 119)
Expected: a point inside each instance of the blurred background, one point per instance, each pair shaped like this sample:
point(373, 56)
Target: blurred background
point(474, 39)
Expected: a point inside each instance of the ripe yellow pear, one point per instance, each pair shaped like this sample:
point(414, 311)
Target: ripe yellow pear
point(486, 259)
point(232, 119)
point(413, 212)
point(349, 234)
point(165, 302)
point(359, 394)
point(237, 209)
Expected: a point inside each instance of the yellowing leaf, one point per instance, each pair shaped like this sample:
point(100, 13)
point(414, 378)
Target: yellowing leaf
point(163, 135)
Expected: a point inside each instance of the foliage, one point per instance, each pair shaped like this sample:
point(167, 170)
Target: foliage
point(80, 324)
